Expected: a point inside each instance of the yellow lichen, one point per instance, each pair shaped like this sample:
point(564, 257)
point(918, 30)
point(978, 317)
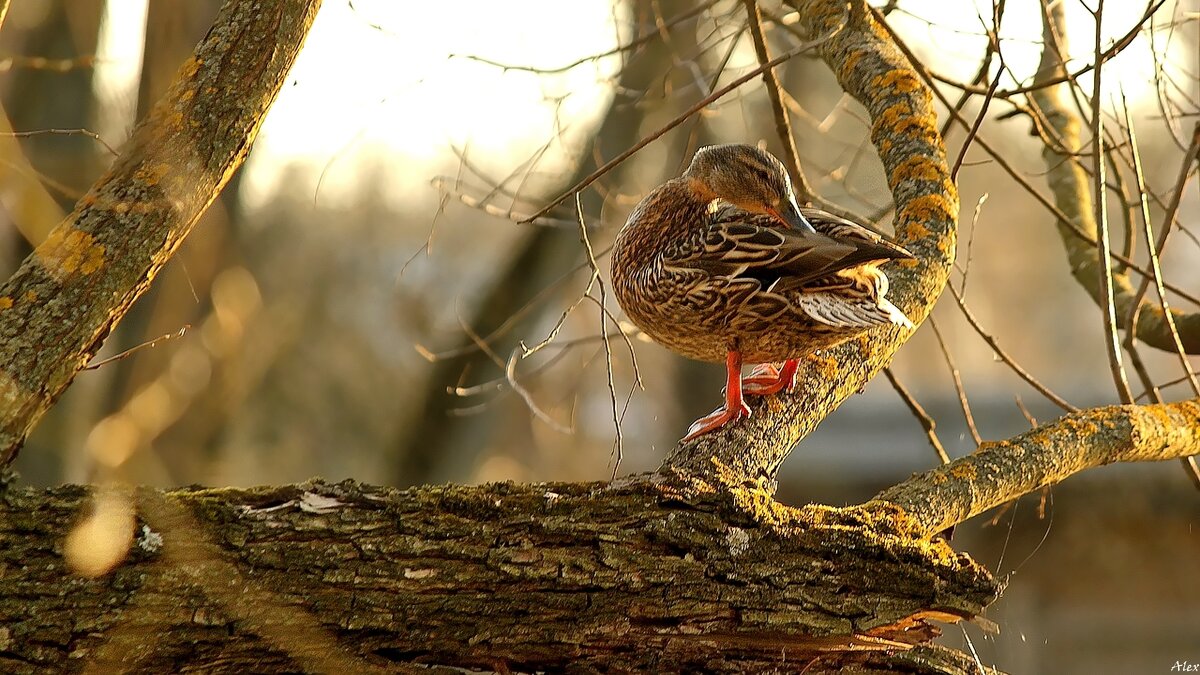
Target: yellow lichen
point(5, 302)
point(899, 81)
point(67, 251)
point(963, 472)
point(917, 167)
point(850, 63)
point(30, 296)
point(924, 209)
point(892, 115)
point(913, 229)
point(151, 173)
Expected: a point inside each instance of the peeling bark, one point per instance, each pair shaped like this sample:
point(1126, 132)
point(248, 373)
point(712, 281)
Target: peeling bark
point(68, 294)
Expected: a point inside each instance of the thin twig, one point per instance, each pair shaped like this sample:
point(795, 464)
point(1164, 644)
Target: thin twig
point(783, 126)
point(632, 44)
point(1116, 48)
point(526, 352)
point(62, 132)
point(1004, 356)
point(700, 105)
point(1112, 339)
point(137, 348)
point(956, 376)
point(923, 417)
point(1188, 463)
point(994, 39)
point(1156, 251)
point(1025, 412)
point(608, 360)
point(510, 373)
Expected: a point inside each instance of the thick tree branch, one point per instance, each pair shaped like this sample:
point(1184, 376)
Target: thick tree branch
point(1004, 470)
point(60, 305)
point(641, 577)
point(904, 130)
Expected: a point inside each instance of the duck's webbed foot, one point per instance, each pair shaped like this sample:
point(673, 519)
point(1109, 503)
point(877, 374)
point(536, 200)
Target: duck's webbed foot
point(735, 407)
point(717, 419)
point(766, 378)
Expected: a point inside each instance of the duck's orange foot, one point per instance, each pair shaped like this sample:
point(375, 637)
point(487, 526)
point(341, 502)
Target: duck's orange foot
point(767, 379)
point(718, 418)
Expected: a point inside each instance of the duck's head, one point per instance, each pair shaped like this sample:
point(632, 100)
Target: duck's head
point(749, 178)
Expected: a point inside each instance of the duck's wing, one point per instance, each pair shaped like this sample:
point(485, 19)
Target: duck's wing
point(739, 244)
point(839, 228)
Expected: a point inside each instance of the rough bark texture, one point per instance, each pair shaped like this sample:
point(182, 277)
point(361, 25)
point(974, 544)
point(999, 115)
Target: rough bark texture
point(904, 131)
point(646, 576)
point(62, 302)
point(1000, 471)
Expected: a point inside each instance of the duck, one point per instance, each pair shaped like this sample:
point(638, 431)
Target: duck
point(722, 265)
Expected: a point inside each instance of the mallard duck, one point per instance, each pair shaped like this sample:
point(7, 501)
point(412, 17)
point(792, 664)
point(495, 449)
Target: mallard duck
point(721, 264)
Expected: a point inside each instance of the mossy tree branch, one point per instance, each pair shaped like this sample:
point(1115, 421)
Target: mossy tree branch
point(645, 576)
point(904, 130)
point(62, 302)
point(1000, 471)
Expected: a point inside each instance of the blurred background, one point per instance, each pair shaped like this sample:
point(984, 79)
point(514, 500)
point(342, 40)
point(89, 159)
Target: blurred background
point(356, 302)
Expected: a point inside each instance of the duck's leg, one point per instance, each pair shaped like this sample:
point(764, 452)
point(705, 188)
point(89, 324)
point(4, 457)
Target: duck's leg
point(735, 406)
point(766, 379)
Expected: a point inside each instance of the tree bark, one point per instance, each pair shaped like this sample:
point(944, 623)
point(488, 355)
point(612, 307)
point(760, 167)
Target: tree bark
point(645, 575)
point(67, 295)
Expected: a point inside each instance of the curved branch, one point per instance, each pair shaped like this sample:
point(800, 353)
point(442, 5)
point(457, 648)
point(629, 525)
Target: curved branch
point(69, 293)
point(1004, 470)
point(1069, 183)
point(904, 130)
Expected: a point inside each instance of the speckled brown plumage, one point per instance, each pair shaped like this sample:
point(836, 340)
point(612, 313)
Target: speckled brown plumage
point(721, 263)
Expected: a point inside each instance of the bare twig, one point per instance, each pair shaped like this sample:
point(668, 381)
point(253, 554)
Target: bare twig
point(956, 376)
point(1004, 356)
point(1156, 250)
point(510, 374)
point(783, 126)
point(994, 46)
point(63, 132)
point(1112, 340)
point(137, 348)
point(632, 44)
point(1189, 463)
point(608, 360)
point(1116, 48)
point(927, 422)
point(700, 105)
point(1063, 219)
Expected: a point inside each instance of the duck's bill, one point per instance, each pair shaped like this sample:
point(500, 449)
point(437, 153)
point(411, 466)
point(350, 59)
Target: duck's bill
point(789, 214)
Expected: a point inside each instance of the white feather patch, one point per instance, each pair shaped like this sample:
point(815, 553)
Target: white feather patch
point(836, 310)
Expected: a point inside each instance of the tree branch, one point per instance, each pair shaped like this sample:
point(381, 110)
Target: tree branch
point(1004, 470)
point(645, 576)
point(59, 306)
point(904, 130)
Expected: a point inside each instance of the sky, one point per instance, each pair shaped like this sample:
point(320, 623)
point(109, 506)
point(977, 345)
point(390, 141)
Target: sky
point(394, 85)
